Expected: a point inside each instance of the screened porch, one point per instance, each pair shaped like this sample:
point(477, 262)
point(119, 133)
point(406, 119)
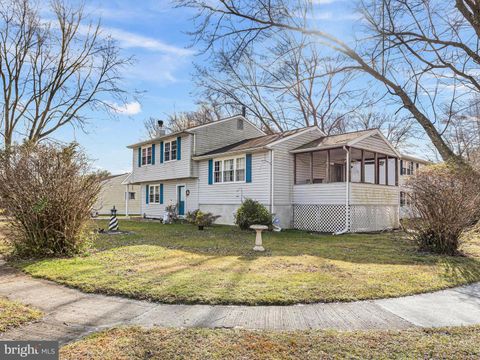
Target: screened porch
point(329, 166)
point(345, 188)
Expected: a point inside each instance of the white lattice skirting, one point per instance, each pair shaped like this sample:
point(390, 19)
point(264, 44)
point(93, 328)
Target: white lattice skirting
point(331, 218)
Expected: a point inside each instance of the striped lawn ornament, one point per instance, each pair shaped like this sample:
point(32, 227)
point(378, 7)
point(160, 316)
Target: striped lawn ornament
point(113, 225)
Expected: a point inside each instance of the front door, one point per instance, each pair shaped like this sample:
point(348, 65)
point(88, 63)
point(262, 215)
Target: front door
point(181, 200)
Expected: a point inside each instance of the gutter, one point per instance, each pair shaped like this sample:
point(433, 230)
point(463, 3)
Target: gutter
point(347, 194)
point(228, 153)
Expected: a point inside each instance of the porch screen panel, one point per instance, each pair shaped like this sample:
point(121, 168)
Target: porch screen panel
point(303, 173)
point(319, 167)
point(356, 165)
point(338, 159)
point(369, 167)
point(391, 171)
point(382, 168)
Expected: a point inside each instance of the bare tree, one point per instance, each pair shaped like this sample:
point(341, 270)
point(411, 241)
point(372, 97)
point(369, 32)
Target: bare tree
point(318, 89)
point(178, 121)
point(399, 131)
point(286, 85)
point(245, 83)
point(462, 129)
point(239, 23)
point(51, 71)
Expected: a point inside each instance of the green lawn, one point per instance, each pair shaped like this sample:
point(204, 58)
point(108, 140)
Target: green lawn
point(15, 314)
point(157, 343)
point(180, 264)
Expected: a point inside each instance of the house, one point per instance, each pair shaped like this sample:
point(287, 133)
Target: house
point(409, 166)
point(119, 192)
point(299, 175)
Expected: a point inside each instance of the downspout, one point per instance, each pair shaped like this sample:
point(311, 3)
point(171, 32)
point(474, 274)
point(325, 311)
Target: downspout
point(126, 200)
point(347, 194)
point(272, 208)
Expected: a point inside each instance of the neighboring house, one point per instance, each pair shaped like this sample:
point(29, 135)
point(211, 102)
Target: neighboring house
point(117, 191)
point(300, 175)
point(409, 166)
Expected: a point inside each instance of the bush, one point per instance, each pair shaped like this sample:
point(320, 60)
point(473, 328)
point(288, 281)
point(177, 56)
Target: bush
point(445, 202)
point(201, 219)
point(251, 212)
point(47, 192)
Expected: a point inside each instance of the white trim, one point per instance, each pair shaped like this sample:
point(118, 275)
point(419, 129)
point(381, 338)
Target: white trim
point(150, 193)
point(178, 200)
point(222, 169)
point(276, 142)
point(230, 153)
point(126, 181)
point(272, 192)
point(374, 132)
point(146, 147)
point(170, 151)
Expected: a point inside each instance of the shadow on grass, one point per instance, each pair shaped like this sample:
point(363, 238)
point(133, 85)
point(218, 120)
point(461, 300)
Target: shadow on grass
point(461, 269)
point(377, 248)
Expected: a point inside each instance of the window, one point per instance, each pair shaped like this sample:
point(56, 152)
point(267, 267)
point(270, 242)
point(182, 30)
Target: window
point(166, 151)
point(240, 174)
point(147, 155)
point(229, 170)
point(217, 173)
point(174, 150)
point(170, 150)
point(239, 124)
point(402, 198)
point(131, 196)
point(154, 194)
point(407, 168)
point(410, 168)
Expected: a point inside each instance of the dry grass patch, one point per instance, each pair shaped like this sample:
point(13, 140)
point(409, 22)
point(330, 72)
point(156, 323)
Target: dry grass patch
point(157, 343)
point(179, 264)
point(14, 314)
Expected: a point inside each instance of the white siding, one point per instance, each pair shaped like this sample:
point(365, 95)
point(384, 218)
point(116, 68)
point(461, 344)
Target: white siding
point(375, 143)
point(170, 197)
point(224, 133)
point(334, 194)
point(283, 168)
point(320, 194)
point(175, 169)
point(232, 193)
point(369, 194)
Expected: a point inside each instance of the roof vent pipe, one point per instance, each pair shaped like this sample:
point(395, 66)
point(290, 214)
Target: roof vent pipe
point(244, 111)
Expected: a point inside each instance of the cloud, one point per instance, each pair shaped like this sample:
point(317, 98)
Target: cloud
point(131, 108)
point(128, 39)
point(322, 16)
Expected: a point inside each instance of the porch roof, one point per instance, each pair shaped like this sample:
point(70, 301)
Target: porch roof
point(331, 141)
point(346, 139)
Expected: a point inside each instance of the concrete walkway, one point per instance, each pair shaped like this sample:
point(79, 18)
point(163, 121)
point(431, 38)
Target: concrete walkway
point(71, 314)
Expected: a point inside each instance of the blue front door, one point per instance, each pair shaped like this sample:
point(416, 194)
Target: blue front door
point(181, 200)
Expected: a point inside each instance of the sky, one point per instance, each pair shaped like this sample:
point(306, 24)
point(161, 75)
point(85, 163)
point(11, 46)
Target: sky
point(155, 34)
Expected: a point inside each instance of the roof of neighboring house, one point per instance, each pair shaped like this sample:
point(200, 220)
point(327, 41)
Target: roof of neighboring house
point(254, 143)
point(114, 176)
point(414, 158)
point(187, 131)
point(332, 141)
